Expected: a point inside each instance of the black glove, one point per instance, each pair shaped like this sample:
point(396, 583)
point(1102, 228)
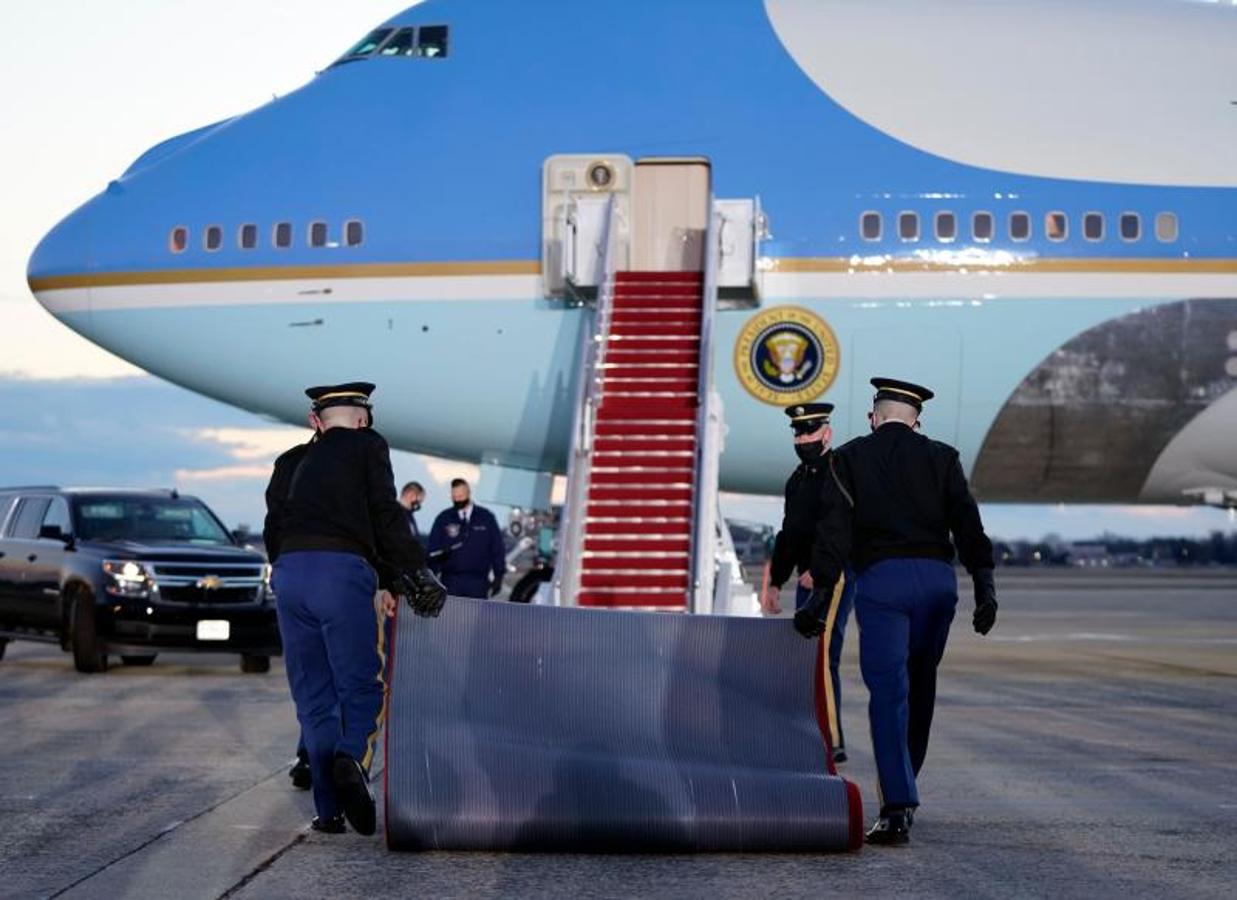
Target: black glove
point(810, 618)
point(423, 591)
point(985, 600)
point(496, 587)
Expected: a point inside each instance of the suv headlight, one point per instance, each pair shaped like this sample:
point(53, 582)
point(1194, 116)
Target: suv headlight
point(268, 594)
point(127, 578)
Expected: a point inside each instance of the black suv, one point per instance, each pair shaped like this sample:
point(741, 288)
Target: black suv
point(129, 572)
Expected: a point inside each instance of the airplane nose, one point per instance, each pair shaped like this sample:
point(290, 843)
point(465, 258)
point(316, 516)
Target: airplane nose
point(62, 260)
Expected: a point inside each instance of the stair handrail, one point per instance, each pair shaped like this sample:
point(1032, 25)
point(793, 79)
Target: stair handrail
point(705, 515)
point(593, 343)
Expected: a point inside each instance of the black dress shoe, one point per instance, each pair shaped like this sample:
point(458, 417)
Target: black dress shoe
point(839, 755)
point(352, 784)
point(890, 830)
point(302, 778)
point(333, 825)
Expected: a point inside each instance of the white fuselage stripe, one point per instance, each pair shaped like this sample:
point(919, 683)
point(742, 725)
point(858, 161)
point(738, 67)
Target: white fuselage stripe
point(774, 287)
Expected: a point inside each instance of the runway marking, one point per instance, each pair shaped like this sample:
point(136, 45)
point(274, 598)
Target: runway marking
point(1101, 637)
point(160, 835)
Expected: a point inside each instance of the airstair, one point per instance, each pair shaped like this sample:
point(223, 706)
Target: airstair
point(641, 527)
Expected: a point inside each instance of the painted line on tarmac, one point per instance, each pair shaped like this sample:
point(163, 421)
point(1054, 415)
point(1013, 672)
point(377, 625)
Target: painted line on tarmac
point(170, 830)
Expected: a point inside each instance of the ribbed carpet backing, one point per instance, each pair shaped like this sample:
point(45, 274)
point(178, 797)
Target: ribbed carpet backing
point(515, 727)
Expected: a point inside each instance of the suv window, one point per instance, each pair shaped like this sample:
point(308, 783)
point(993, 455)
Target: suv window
point(6, 504)
point(58, 515)
point(29, 516)
point(138, 518)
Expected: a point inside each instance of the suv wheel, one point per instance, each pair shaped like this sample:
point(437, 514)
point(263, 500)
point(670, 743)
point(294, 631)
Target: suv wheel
point(143, 660)
point(253, 664)
point(87, 653)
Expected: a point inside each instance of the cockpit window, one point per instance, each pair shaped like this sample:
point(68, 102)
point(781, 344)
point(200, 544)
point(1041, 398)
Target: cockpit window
point(403, 44)
point(432, 41)
point(369, 43)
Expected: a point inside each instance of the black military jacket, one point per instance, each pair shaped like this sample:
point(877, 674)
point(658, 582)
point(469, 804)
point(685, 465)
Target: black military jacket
point(897, 494)
point(792, 548)
point(338, 493)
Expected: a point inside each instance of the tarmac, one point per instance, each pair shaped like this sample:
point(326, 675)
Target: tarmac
point(1087, 748)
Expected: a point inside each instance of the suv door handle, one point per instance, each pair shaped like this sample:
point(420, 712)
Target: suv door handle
point(32, 557)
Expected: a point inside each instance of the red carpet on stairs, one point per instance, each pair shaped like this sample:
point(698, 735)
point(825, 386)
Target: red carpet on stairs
point(637, 533)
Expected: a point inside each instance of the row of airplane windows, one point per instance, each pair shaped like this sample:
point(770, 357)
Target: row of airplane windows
point(983, 226)
point(316, 235)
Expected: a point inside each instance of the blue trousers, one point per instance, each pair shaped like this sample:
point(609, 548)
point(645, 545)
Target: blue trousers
point(333, 644)
point(834, 633)
point(467, 584)
point(904, 608)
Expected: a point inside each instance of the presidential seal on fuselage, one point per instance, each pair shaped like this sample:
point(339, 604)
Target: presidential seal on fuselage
point(786, 355)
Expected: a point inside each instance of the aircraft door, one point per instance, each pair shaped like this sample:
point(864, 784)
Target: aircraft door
point(671, 213)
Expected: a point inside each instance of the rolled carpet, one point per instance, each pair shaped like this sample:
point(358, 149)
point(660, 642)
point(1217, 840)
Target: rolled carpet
point(514, 727)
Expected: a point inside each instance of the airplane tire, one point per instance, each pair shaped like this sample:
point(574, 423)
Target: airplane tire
point(87, 653)
point(255, 664)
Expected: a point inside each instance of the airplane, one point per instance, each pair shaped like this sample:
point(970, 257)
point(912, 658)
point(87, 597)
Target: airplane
point(1029, 207)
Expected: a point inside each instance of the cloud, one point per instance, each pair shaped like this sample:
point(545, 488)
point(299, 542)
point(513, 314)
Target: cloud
point(222, 473)
point(443, 470)
point(251, 443)
point(37, 346)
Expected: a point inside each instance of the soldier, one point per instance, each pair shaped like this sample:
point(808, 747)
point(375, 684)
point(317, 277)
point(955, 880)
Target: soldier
point(335, 534)
point(466, 546)
point(893, 500)
point(792, 549)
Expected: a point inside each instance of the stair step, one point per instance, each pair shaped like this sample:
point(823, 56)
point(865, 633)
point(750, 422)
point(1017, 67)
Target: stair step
point(644, 315)
point(640, 477)
point(632, 506)
point(654, 330)
point(666, 341)
point(676, 426)
point(637, 598)
point(647, 561)
point(606, 493)
point(649, 369)
point(686, 305)
point(650, 443)
point(646, 407)
point(644, 275)
point(670, 459)
point(633, 578)
point(629, 543)
point(625, 355)
point(621, 526)
point(634, 386)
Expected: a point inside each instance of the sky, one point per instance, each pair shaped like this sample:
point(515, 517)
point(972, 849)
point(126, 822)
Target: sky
point(91, 84)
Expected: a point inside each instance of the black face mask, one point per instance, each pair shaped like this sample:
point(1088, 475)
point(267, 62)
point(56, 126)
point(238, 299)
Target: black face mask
point(810, 452)
point(459, 504)
point(414, 506)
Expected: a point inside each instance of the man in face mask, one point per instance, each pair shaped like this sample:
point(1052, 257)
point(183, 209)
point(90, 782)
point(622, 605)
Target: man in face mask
point(792, 549)
point(411, 497)
point(466, 546)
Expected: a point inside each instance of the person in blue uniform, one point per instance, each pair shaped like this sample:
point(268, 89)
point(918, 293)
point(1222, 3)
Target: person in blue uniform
point(466, 546)
point(893, 500)
point(792, 549)
point(335, 534)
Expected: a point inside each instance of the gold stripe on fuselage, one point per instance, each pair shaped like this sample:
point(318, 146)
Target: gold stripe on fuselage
point(786, 265)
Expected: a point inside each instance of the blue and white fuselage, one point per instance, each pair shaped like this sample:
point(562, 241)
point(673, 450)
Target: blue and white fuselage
point(1091, 357)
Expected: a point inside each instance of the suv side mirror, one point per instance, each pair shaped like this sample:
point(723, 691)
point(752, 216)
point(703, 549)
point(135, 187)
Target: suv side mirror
point(54, 533)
